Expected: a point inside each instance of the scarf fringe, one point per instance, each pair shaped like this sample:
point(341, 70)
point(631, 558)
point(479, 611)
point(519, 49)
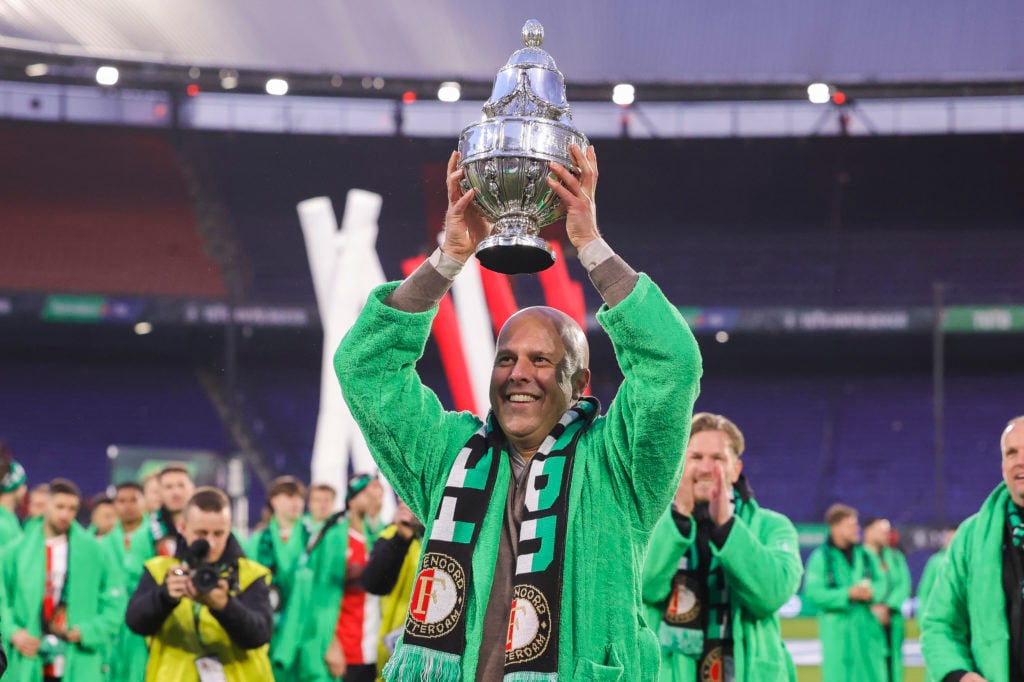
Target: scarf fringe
point(413, 663)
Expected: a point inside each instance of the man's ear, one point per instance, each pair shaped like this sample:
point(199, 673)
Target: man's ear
point(580, 381)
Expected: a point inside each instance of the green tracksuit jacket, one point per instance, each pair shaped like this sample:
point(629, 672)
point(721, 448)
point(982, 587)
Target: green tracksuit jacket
point(853, 644)
point(306, 626)
point(626, 467)
point(94, 594)
point(761, 561)
point(896, 577)
point(964, 626)
point(265, 547)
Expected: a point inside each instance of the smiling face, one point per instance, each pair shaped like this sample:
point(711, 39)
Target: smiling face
point(1013, 460)
point(539, 372)
point(706, 451)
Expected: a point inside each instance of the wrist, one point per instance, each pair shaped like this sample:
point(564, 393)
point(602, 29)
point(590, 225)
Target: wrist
point(447, 261)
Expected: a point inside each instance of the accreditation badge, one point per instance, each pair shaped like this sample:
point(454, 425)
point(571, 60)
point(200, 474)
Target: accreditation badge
point(210, 669)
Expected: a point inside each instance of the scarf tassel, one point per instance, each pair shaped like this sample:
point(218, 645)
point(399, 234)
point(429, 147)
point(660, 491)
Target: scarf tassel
point(415, 663)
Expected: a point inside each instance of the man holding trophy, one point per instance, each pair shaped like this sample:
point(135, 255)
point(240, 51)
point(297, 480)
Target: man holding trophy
point(537, 519)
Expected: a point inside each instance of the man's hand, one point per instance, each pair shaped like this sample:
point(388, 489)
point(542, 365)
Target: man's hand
point(973, 677)
point(578, 196)
point(405, 521)
point(720, 503)
point(177, 582)
point(464, 223)
point(881, 613)
point(216, 599)
point(335, 659)
point(684, 493)
point(74, 635)
point(860, 593)
point(26, 644)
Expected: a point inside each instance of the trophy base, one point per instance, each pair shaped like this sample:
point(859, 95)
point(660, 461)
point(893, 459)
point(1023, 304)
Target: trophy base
point(515, 255)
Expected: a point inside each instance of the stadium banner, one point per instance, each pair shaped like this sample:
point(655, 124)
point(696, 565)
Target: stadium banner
point(983, 319)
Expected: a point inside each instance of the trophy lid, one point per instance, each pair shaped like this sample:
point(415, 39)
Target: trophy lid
point(530, 83)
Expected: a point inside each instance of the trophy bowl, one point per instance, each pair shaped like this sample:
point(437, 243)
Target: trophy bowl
point(505, 156)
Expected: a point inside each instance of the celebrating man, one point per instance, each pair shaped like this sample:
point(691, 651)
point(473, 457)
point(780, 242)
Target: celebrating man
point(720, 567)
point(973, 628)
point(537, 518)
point(842, 582)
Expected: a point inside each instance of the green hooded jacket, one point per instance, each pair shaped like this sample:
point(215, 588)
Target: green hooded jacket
point(896, 577)
point(853, 644)
point(265, 547)
point(624, 473)
point(307, 623)
point(965, 626)
point(10, 527)
point(761, 561)
point(927, 581)
point(94, 594)
point(129, 651)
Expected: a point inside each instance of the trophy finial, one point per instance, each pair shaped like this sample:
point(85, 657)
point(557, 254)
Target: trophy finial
point(533, 33)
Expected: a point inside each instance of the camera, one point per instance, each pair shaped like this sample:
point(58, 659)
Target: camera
point(203, 574)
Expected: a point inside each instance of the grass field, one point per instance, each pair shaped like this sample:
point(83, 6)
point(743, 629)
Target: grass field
point(807, 628)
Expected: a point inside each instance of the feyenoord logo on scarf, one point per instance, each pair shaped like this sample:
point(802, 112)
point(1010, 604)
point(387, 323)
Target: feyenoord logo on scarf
point(683, 605)
point(438, 597)
point(435, 629)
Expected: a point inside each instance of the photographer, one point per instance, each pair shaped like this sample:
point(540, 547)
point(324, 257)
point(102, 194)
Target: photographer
point(391, 573)
point(208, 608)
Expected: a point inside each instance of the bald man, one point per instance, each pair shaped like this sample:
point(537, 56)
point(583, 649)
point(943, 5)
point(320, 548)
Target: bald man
point(537, 519)
point(973, 628)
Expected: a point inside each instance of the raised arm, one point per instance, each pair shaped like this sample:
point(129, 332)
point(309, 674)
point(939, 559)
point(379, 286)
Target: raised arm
point(405, 426)
point(648, 421)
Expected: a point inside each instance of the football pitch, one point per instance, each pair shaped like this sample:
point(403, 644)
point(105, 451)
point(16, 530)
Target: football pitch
point(804, 629)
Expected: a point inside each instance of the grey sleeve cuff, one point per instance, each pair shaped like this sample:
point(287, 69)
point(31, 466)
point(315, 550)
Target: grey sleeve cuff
point(427, 285)
point(445, 265)
point(595, 253)
point(611, 275)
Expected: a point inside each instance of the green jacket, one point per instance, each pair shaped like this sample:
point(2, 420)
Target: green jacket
point(624, 473)
point(95, 598)
point(896, 577)
point(10, 528)
point(265, 547)
point(129, 650)
point(853, 644)
point(927, 582)
point(307, 624)
point(964, 626)
point(761, 561)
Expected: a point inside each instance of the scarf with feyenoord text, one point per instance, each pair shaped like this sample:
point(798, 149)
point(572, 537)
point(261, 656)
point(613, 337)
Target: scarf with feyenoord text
point(434, 640)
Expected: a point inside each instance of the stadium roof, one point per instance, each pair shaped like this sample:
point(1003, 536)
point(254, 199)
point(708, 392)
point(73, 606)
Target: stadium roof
point(653, 41)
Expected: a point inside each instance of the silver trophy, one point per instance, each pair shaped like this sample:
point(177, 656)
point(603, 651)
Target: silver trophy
point(526, 124)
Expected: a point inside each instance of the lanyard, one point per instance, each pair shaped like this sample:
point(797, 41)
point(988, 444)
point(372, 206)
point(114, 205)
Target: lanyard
point(196, 608)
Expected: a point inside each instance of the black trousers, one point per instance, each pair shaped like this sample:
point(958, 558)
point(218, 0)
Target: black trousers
point(361, 673)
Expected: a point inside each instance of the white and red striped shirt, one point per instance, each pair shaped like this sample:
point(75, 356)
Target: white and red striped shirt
point(359, 617)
